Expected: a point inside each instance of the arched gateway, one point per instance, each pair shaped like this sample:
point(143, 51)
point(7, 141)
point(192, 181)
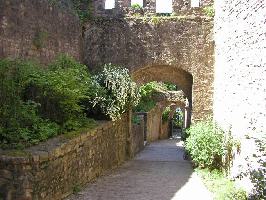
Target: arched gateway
point(174, 49)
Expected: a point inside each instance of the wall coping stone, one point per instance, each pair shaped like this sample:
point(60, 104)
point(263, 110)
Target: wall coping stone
point(52, 148)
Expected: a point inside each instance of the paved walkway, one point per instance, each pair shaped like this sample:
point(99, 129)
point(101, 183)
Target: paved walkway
point(157, 173)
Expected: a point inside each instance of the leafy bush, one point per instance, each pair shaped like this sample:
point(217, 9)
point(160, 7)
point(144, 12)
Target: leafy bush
point(209, 11)
point(146, 92)
point(115, 91)
point(170, 86)
point(60, 91)
point(136, 119)
point(184, 135)
point(136, 6)
point(83, 8)
point(20, 123)
point(37, 103)
point(205, 144)
point(166, 113)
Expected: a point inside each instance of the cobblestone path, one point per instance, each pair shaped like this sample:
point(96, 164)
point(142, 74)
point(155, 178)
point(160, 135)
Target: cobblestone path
point(157, 173)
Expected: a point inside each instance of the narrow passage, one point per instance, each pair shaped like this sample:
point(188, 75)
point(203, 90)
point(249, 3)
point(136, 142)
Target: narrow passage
point(159, 172)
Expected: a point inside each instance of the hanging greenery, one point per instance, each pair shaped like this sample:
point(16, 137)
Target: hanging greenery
point(115, 92)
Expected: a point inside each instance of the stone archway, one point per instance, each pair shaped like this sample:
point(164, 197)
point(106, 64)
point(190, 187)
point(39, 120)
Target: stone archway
point(166, 73)
point(173, 50)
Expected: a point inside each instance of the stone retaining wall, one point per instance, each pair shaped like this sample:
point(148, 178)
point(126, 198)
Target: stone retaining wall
point(52, 170)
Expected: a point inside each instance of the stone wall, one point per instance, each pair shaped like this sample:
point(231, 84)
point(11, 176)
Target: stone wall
point(165, 130)
point(175, 49)
point(240, 74)
point(154, 123)
point(38, 30)
point(52, 170)
point(123, 8)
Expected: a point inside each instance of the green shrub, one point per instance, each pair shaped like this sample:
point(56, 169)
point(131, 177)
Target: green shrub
point(136, 119)
point(209, 11)
point(184, 134)
point(166, 113)
point(20, 123)
point(37, 103)
point(170, 86)
point(146, 92)
point(114, 92)
point(136, 6)
point(60, 91)
point(205, 144)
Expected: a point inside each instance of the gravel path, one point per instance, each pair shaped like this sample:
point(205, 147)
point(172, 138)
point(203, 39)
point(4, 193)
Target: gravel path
point(157, 173)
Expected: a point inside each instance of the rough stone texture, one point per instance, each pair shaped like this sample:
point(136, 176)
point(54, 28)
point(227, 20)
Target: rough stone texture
point(52, 170)
point(123, 7)
point(178, 50)
point(154, 123)
point(240, 72)
point(157, 173)
point(156, 129)
point(37, 30)
point(165, 130)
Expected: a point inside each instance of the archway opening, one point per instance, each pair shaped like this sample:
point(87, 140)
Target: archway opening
point(168, 106)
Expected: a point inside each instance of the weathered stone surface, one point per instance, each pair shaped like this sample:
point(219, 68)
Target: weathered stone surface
point(123, 7)
point(178, 50)
point(154, 123)
point(38, 30)
point(53, 169)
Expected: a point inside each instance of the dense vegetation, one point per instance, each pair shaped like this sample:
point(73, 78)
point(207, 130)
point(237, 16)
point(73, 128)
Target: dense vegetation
point(147, 92)
point(211, 150)
point(205, 144)
point(38, 102)
point(114, 92)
